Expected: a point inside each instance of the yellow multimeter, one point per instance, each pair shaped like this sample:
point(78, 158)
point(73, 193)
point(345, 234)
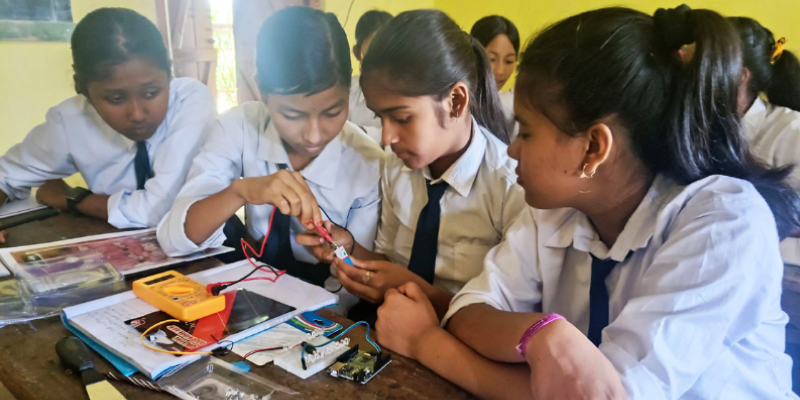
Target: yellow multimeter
point(178, 296)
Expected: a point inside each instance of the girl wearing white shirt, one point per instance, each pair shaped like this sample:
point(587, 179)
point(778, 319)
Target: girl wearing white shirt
point(649, 232)
point(772, 126)
point(130, 131)
point(360, 115)
point(448, 187)
point(294, 151)
point(500, 38)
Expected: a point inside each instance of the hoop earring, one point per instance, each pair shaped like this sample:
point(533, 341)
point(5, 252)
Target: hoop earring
point(583, 173)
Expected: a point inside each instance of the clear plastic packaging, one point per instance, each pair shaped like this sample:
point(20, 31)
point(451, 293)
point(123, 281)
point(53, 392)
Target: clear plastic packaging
point(48, 290)
point(210, 378)
point(14, 304)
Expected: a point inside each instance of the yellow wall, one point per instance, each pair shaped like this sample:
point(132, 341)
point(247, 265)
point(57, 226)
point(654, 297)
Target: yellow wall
point(34, 76)
point(530, 16)
point(339, 7)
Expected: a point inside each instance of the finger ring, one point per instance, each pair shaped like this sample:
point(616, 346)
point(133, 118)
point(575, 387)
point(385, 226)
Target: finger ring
point(366, 278)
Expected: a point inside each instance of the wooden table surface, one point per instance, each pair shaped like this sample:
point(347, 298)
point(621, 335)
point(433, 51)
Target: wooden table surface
point(30, 368)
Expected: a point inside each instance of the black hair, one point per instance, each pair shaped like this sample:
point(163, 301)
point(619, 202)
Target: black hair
point(302, 50)
point(425, 53)
point(108, 37)
point(778, 79)
point(369, 24)
point(680, 115)
point(488, 28)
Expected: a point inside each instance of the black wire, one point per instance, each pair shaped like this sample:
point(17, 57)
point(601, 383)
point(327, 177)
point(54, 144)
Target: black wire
point(352, 238)
point(216, 290)
point(352, 247)
point(348, 13)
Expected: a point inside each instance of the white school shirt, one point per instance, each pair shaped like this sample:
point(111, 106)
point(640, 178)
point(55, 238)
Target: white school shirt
point(344, 179)
point(481, 200)
point(774, 136)
point(74, 138)
point(507, 102)
point(361, 115)
point(695, 310)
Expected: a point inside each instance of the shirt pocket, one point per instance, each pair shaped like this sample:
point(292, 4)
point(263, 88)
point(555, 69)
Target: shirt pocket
point(469, 256)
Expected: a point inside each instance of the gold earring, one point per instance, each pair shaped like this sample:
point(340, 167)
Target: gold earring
point(583, 173)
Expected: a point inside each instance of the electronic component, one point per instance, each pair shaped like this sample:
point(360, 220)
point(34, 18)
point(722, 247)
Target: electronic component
point(359, 366)
point(339, 251)
point(178, 296)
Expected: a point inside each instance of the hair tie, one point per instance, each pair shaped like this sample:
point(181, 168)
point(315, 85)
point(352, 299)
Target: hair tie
point(673, 27)
point(777, 50)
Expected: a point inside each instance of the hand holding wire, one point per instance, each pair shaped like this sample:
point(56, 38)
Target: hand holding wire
point(327, 242)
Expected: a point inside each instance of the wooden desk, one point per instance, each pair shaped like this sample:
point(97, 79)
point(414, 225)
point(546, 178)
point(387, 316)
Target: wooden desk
point(30, 368)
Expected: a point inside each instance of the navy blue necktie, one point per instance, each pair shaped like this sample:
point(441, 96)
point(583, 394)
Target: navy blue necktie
point(598, 298)
point(278, 242)
point(279, 253)
point(426, 239)
point(141, 164)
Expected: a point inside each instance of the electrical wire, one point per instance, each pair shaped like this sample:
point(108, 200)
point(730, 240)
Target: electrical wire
point(179, 353)
point(375, 345)
point(244, 358)
point(218, 287)
point(352, 238)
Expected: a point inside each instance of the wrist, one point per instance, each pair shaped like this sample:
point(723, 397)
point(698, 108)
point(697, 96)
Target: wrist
point(433, 336)
point(73, 197)
point(236, 192)
point(552, 336)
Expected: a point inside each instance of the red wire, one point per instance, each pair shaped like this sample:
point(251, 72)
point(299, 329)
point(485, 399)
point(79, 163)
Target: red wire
point(246, 246)
point(259, 351)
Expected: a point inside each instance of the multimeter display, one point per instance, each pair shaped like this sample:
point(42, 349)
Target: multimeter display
point(178, 296)
point(162, 279)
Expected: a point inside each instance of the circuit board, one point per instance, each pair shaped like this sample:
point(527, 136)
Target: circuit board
point(359, 366)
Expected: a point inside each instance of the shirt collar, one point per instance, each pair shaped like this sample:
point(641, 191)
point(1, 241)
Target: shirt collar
point(461, 175)
point(578, 231)
point(754, 117)
point(322, 171)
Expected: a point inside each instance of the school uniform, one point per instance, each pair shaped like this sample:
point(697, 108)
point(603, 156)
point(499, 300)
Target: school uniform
point(243, 143)
point(774, 136)
point(360, 114)
point(507, 102)
point(685, 304)
point(74, 138)
point(477, 199)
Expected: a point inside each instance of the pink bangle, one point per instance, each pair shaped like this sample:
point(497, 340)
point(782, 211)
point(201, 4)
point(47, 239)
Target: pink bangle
point(536, 327)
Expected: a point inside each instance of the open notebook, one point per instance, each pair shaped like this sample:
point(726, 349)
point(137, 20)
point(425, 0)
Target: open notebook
point(107, 322)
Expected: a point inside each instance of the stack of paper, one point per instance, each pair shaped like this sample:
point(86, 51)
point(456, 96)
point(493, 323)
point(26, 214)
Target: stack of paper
point(103, 321)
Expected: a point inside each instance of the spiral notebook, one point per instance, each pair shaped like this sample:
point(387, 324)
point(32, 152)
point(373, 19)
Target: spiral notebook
point(104, 321)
